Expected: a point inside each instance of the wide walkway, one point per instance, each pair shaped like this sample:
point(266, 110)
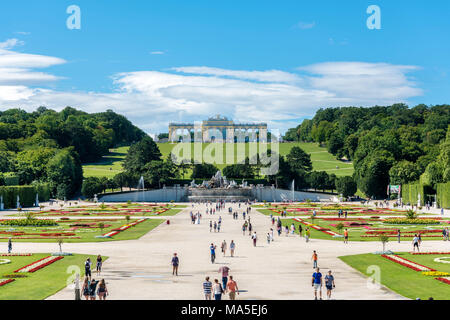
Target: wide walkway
point(140, 269)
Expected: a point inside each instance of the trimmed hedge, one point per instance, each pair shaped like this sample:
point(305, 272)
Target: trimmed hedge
point(27, 195)
point(29, 223)
point(11, 179)
point(443, 195)
point(411, 191)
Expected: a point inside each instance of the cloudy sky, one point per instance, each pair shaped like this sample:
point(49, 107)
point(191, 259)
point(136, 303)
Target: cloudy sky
point(269, 61)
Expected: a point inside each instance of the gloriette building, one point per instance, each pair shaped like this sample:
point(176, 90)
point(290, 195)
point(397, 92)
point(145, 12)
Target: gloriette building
point(218, 129)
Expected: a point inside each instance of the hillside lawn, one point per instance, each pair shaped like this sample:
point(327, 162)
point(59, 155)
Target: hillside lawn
point(406, 282)
point(111, 164)
point(41, 283)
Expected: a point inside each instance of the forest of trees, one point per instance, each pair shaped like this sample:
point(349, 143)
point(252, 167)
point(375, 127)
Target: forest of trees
point(393, 144)
point(49, 146)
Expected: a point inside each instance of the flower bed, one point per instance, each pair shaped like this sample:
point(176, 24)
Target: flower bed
point(411, 221)
point(35, 266)
point(5, 281)
point(435, 273)
point(318, 228)
point(16, 254)
point(116, 231)
point(444, 279)
point(420, 253)
point(407, 263)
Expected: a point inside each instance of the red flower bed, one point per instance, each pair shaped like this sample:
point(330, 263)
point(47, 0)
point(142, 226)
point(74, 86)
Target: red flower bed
point(16, 254)
point(444, 280)
point(407, 265)
point(41, 265)
point(2, 283)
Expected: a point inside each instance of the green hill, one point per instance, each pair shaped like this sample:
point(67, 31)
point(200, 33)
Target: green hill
point(322, 160)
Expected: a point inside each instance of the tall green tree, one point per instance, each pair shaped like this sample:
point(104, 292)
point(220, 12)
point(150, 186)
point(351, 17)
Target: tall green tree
point(140, 154)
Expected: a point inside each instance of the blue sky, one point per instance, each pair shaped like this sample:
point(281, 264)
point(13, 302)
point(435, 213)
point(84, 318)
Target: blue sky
point(273, 61)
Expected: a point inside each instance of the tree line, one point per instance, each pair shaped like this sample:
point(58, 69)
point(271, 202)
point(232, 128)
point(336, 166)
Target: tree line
point(50, 146)
point(387, 144)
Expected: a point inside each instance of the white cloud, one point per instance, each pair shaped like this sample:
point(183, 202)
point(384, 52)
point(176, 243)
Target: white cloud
point(263, 76)
point(157, 52)
point(11, 43)
point(305, 25)
point(152, 99)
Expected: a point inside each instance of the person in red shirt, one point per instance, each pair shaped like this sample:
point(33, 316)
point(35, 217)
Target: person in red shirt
point(232, 288)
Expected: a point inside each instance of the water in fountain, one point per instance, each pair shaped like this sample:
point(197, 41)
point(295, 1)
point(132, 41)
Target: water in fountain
point(141, 186)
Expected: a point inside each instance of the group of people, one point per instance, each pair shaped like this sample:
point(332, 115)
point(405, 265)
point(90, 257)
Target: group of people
point(218, 289)
point(92, 288)
point(216, 225)
point(224, 248)
point(317, 279)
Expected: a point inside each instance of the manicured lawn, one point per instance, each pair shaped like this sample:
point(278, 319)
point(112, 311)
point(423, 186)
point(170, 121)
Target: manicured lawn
point(111, 164)
point(41, 283)
point(406, 282)
point(83, 234)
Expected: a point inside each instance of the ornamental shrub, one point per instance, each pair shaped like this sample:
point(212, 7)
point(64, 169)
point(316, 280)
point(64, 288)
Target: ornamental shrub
point(29, 223)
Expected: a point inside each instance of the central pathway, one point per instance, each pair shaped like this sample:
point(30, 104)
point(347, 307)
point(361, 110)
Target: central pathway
point(141, 269)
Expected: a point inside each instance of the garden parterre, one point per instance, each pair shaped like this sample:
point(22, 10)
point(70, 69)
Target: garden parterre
point(367, 229)
point(82, 230)
point(411, 275)
point(37, 276)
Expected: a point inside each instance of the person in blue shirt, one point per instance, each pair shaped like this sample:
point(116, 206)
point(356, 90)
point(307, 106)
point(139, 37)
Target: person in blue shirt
point(213, 252)
point(317, 283)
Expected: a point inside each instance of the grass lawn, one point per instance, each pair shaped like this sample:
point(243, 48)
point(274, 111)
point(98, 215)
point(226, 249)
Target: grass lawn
point(355, 233)
point(84, 234)
point(41, 283)
point(322, 160)
point(109, 166)
point(406, 282)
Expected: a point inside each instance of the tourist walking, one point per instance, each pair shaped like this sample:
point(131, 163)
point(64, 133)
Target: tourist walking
point(447, 233)
point(175, 263)
point(224, 247)
point(92, 289)
point(317, 283)
point(244, 227)
point(210, 226)
point(102, 291)
point(217, 290)
point(9, 245)
point(307, 234)
point(268, 238)
point(345, 236)
point(232, 288)
point(85, 288)
point(232, 248)
point(215, 226)
point(249, 228)
point(300, 229)
point(212, 248)
point(286, 230)
point(254, 238)
point(329, 284)
point(314, 259)
point(416, 243)
point(399, 235)
point(87, 268)
point(224, 270)
point(207, 288)
point(99, 264)
point(271, 234)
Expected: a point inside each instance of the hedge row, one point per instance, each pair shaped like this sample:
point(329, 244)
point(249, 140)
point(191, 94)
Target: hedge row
point(443, 195)
point(27, 195)
point(411, 191)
